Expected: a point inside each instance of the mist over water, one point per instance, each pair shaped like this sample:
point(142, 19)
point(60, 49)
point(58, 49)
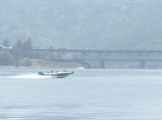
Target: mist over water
point(88, 94)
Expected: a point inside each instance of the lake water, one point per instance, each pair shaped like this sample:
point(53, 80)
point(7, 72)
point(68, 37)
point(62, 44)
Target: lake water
point(89, 94)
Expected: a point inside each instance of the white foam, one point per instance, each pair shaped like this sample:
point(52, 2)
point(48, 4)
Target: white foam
point(28, 76)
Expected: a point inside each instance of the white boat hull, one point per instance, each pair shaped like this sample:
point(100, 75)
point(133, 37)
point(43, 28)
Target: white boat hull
point(56, 74)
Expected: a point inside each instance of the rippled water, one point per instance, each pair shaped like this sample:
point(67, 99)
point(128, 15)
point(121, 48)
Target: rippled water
point(89, 94)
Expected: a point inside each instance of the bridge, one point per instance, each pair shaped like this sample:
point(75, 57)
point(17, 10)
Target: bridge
point(104, 56)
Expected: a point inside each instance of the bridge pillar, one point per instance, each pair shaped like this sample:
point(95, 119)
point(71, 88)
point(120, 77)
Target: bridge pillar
point(144, 65)
point(103, 64)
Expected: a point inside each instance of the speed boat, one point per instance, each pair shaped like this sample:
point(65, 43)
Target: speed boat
point(57, 74)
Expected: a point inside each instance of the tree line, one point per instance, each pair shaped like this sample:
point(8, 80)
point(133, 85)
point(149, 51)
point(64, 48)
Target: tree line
point(13, 55)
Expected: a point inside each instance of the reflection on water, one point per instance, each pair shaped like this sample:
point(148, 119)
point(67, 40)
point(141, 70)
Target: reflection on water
point(92, 94)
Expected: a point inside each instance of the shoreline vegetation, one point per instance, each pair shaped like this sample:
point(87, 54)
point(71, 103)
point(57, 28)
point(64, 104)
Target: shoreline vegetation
point(41, 63)
point(13, 57)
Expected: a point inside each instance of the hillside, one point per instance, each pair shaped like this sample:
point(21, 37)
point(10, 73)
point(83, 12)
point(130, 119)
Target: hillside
point(79, 24)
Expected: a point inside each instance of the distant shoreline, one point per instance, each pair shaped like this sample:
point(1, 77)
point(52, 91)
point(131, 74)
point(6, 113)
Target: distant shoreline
point(41, 63)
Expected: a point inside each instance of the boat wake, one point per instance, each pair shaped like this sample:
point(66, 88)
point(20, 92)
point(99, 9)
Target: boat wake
point(35, 76)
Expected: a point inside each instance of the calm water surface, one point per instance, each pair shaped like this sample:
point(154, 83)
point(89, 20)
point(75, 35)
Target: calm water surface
point(89, 94)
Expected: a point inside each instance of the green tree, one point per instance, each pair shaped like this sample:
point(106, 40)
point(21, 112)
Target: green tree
point(6, 43)
point(28, 44)
point(1, 57)
point(19, 44)
point(16, 52)
point(7, 58)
